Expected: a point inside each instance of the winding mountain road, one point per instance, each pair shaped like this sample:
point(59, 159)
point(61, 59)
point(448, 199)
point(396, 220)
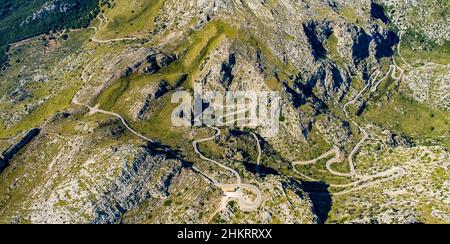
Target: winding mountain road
point(236, 191)
point(200, 154)
point(232, 191)
point(362, 181)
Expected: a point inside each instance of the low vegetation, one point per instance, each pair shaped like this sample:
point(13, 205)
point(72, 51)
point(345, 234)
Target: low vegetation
point(20, 20)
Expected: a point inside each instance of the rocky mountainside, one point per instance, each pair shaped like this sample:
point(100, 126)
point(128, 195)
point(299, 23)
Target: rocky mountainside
point(87, 137)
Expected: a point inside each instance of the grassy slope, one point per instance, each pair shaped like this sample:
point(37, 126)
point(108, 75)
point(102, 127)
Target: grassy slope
point(435, 53)
point(409, 117)
point(404, 115)
point(68, 84)
point(127, 19)
point(193, 52)
point(14, 13)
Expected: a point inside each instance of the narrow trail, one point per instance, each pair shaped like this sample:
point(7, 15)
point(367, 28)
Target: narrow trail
point(107, 41)
point(412, 67)
point(11, 137)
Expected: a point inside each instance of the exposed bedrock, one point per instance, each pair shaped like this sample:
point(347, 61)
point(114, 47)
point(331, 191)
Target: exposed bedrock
point(149, 177)
point(12, 151)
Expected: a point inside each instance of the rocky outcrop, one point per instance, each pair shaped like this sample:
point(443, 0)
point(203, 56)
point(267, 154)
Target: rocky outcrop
point(361, 46)
point(386, 41)
point(335, 131)
point(316, 36)
point(11, 152)
point(148, 95)
point(112, 128)
point(149, 176)
point(155, 62)
point(226, 76)
point(377, 12)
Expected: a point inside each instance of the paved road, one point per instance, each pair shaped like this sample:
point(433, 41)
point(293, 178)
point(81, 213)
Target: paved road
point(200, 154)
point(334, 151)
point(338, 158)
point(362, 181)
point(232, 191)
point(258, 144)
point(12, 137)
point(355, 150)
point(365, 181)
point(93, 110)
point(392, 71)
point(386, 176)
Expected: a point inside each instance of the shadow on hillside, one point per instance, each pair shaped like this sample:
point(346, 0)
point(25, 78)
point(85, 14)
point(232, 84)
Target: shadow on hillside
point(317, 192)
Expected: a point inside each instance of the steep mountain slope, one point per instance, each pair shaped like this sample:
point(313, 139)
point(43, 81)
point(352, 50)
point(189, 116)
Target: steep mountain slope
point(355, 81)
point(20, 20)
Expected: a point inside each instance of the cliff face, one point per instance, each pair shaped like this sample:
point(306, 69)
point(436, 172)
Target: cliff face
point(355, 77)
point(9, 154)
point(90, 179)
point(111, 177)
